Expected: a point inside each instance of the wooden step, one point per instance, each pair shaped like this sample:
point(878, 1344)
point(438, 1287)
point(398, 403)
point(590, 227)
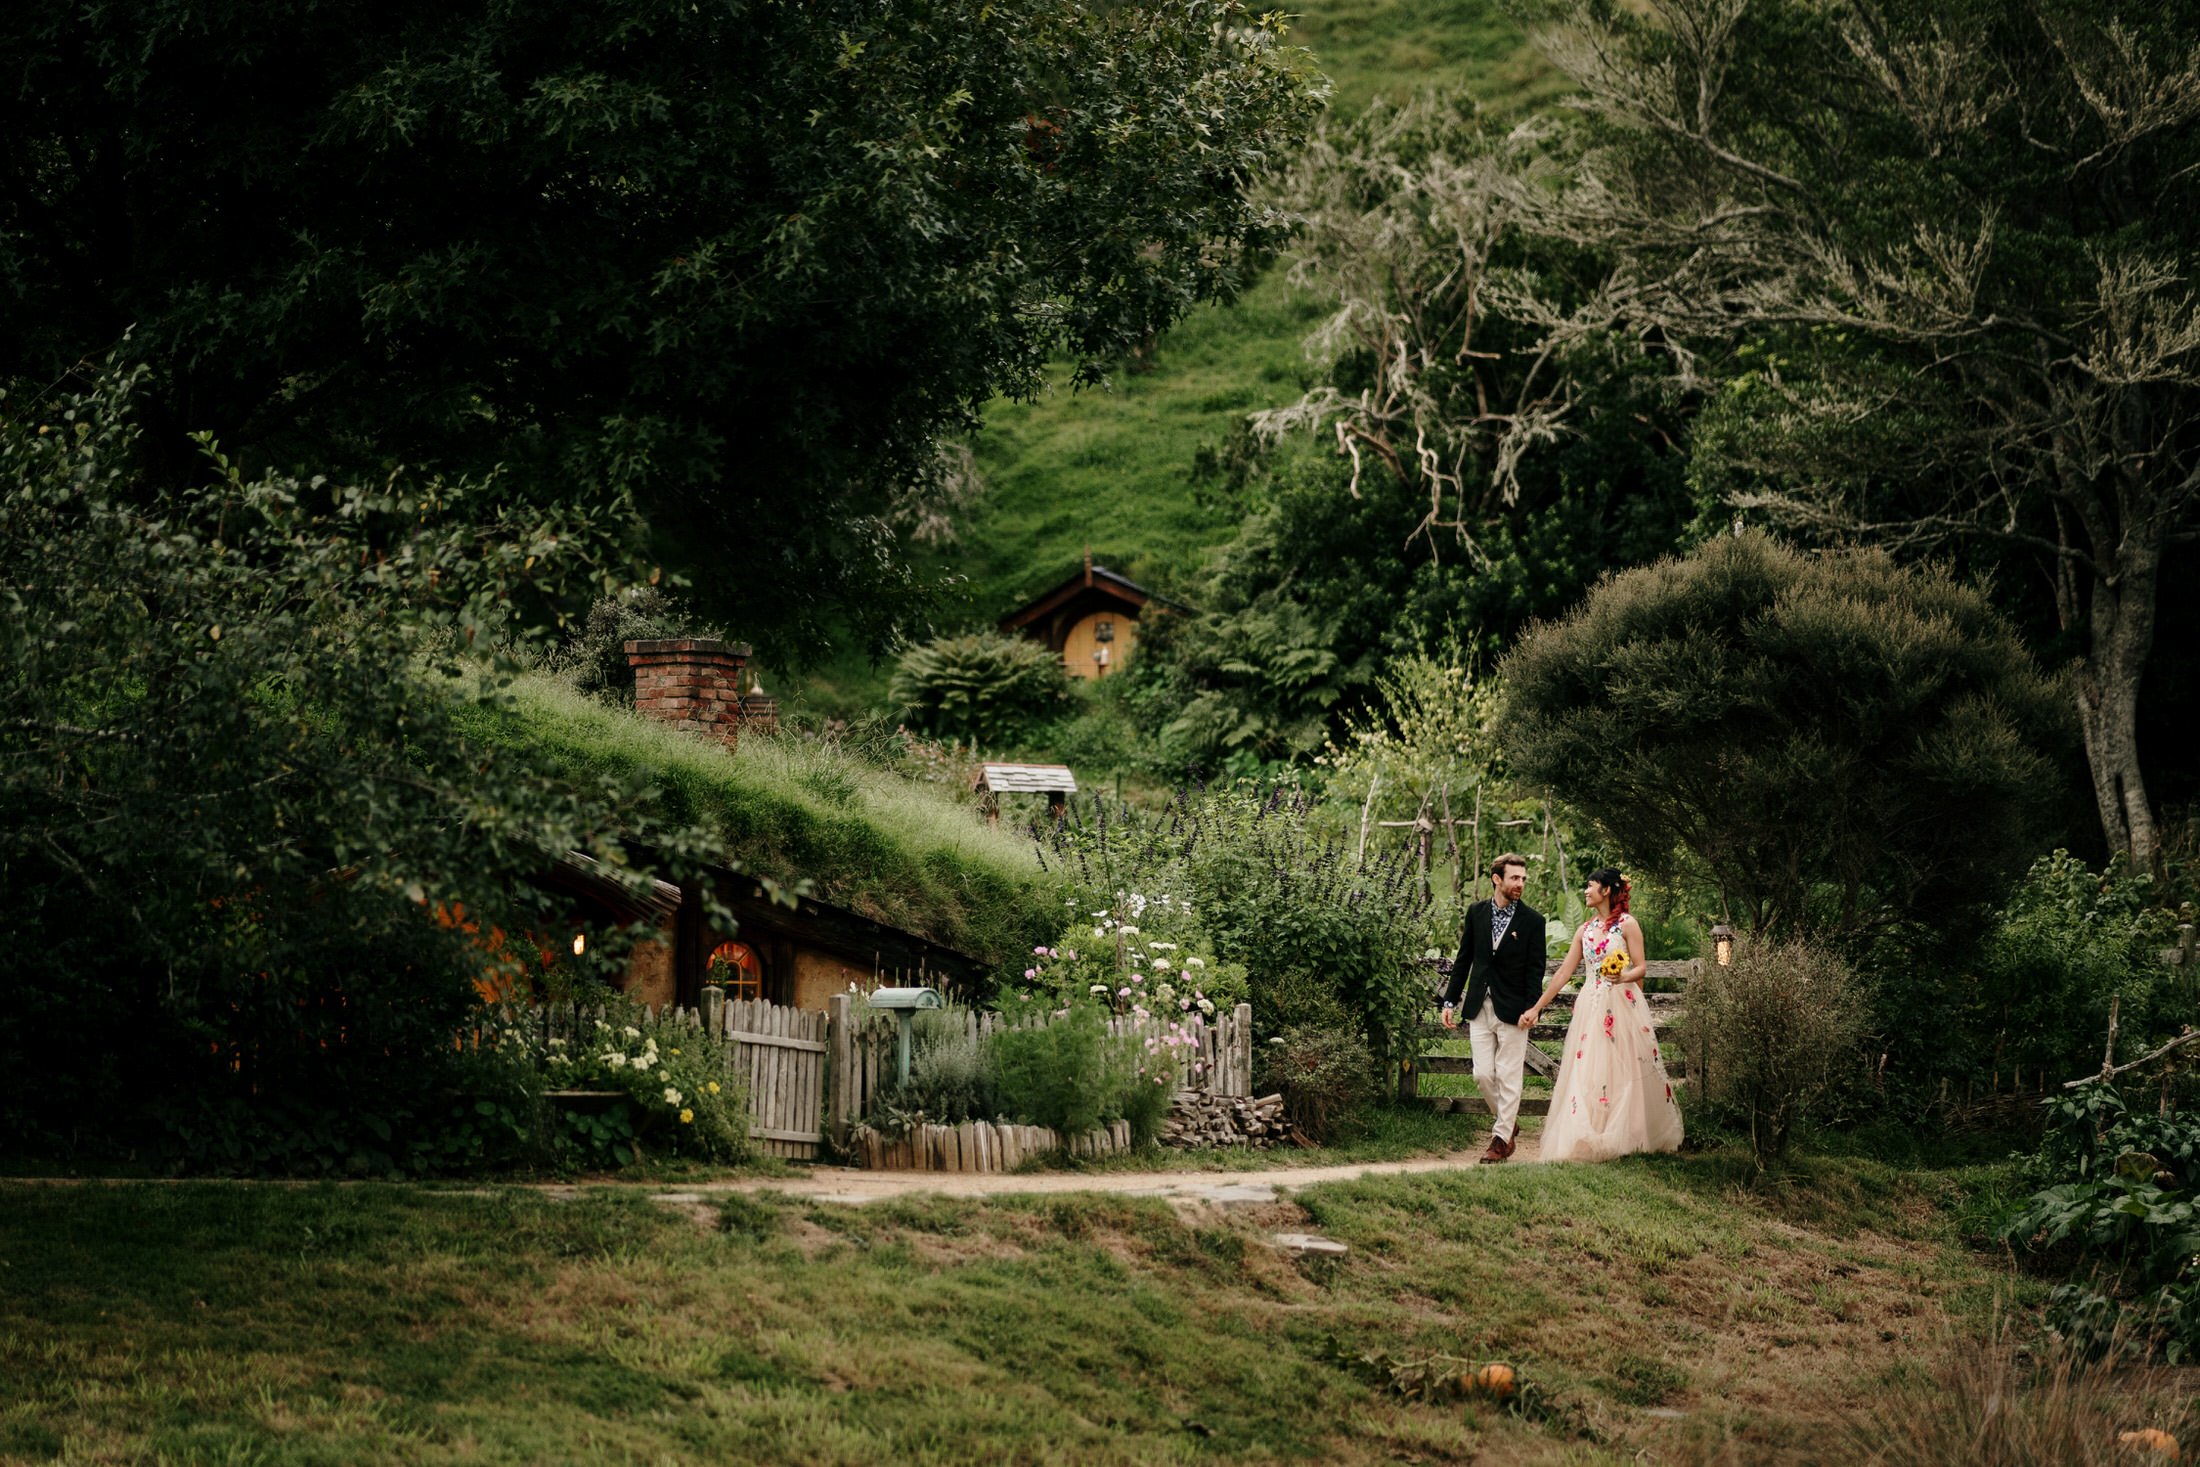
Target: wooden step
point(1472, 1105)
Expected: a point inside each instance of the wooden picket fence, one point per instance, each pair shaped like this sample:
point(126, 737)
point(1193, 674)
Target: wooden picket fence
point(864, 1056)
point(810, 1077)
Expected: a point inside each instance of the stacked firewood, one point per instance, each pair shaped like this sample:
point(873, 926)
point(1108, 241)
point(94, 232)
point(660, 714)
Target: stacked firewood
point(1203, 1118)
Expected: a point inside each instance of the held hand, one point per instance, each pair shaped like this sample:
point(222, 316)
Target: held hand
point(1451, 1020)
point(1527, 1019)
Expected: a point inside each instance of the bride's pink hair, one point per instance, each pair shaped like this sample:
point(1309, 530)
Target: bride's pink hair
point(1616, 893)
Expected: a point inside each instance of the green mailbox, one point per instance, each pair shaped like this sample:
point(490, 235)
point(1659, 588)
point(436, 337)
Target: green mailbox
point(903, 1004)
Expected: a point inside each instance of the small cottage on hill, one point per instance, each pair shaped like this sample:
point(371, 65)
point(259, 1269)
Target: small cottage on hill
point(799, 954)
point(1090, 621)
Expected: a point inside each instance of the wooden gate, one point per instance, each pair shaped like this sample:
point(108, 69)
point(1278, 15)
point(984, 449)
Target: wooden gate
point(779, 1055)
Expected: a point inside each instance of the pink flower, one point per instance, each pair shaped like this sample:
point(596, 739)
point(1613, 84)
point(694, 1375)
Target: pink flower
point(1628, 994)
point(1608, 1032)
point(1031, 972)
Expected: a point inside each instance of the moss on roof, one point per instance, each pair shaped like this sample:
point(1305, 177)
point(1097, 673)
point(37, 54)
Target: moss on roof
point(892, 848)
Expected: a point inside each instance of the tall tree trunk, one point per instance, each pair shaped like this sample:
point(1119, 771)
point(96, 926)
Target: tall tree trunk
point(2121, 634)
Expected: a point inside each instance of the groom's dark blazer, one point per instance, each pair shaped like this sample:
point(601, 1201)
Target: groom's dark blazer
point(1511, 977)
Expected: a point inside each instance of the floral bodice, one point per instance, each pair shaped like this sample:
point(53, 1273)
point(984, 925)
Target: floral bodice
point(1597, 940)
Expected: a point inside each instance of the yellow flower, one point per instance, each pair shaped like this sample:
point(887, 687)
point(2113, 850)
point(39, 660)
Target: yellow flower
point(712, 1087)
point(672, 1051)
point(1614, 964)
point(687, 1117)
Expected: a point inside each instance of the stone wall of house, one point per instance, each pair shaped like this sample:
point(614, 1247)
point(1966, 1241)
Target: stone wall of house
point(818, 975)
point(649, 975)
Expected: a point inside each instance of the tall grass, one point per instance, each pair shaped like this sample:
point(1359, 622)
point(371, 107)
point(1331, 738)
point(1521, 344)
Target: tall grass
point(1996, 1404)
point(868, 838)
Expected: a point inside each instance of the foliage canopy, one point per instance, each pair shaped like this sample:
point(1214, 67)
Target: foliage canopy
point(1834, 739)
point(736, 264)
point(235, 774)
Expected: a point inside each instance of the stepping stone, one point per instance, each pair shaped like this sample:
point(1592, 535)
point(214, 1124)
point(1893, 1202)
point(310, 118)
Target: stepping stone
point(1308, 1245)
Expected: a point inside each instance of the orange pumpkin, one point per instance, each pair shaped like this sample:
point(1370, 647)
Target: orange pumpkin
point(1495, 1379)
point(2153, 1439)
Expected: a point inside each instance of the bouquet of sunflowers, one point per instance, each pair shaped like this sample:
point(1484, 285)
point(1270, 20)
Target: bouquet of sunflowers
point(1614, 964)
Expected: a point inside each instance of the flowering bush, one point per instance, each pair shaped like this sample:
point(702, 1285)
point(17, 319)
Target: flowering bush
point(1142, 955)
point(678, 1082)
point(1273, 896)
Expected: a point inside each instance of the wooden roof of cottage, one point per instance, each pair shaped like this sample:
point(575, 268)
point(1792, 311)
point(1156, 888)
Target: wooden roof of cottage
point(1094, 583)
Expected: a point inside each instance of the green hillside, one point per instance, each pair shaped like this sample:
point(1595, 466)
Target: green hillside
point(1111, 467)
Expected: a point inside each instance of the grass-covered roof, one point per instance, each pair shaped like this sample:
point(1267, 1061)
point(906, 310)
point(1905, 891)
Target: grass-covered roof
point(897, 849)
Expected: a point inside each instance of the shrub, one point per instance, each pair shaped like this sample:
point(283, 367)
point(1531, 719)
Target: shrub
point(1055, 1074)
point(1774, 1033)
point(2122, 1211)
point(1063, 1069)
point(983, 685)
point(1835, 743)
point(1291, 907)
point(678, 1080)
point(2069, 941)
point(1147, 955)
point(593, 658)
point(950, 1078)
point(1324, 1073)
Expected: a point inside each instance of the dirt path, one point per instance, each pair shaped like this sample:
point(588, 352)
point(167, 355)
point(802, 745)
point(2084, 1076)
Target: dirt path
point(855, 1186)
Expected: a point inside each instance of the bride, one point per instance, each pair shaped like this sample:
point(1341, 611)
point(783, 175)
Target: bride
point(1611, 1096)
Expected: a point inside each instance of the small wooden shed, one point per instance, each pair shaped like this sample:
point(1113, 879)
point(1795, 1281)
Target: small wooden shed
point(1090, 621)
point(996, 779)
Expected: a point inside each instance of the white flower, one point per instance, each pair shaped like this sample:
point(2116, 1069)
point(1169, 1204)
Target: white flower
point(1098, 988)
point(644, 1061)
point(1100, 932)
point(1128, 931)
point(1160, 965)
point(1206, 1005)
point(631, 1032)
point(1162, 947)
point(672, 1096)
point(1195, 962)
point(616, 1060)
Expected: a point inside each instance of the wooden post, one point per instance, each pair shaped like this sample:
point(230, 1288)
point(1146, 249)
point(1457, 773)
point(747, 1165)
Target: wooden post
point(840, 1043)
point(1241, 1049)
point(714, 1011)
point(1477, 841)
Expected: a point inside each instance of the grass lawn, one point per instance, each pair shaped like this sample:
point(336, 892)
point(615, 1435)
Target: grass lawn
point(1656, 1305)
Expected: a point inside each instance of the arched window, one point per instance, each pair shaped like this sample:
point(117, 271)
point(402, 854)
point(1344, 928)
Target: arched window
point(735, 967)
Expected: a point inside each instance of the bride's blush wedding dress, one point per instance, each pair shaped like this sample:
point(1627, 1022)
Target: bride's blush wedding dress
point(1611, 1096)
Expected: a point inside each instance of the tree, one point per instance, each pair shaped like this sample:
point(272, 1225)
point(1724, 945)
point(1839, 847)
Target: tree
point(1826, 741)
point(1927, 264)
point(1434, 528)
point(236, 779)
point(736, 264)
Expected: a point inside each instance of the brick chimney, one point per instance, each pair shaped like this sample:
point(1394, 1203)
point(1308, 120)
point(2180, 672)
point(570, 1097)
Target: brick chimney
point(693, 683)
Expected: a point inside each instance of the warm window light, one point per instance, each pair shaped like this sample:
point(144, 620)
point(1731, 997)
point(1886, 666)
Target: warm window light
point(580, 944)
point(1722, 945)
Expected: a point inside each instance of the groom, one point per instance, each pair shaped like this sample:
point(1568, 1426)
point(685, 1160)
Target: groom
point(1501, 951)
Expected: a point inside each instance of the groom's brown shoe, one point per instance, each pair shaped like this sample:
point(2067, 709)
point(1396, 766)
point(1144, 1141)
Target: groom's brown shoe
point(1500, 1150)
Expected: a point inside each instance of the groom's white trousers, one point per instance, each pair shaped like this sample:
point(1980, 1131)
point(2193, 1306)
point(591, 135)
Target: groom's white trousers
point(1500, 1062)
